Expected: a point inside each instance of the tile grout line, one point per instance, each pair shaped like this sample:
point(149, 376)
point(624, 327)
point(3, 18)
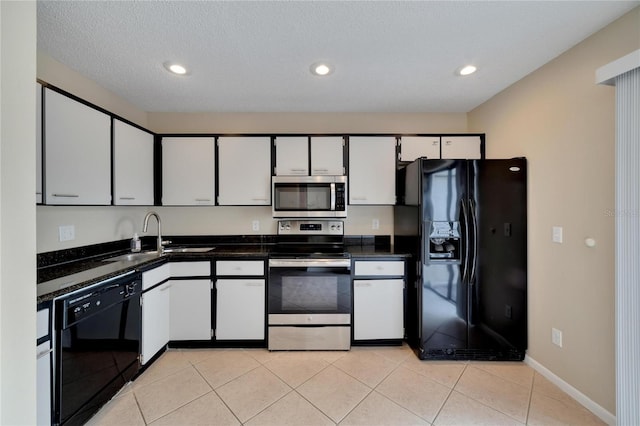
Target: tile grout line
point(450, 392)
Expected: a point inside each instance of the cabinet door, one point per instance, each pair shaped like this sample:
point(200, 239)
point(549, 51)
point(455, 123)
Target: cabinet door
point(461, 147)
point(38, 143)
point(132, 165)
point(240, 309)
point(43, 381)
point(78, 152)
point(155, 320)
point(327, 156)
point(412, 147)
point(292, 155)
point(244, 171)
point(188, 171)
point(372, 170)
point(190, 310)
point(378, 309)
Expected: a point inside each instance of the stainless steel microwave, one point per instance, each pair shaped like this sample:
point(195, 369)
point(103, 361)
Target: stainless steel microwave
point(309, 196)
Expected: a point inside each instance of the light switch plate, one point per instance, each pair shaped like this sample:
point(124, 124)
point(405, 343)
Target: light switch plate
point(557, 234)
point(66, 233)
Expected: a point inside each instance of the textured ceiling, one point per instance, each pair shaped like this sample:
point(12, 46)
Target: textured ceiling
point(247, 56)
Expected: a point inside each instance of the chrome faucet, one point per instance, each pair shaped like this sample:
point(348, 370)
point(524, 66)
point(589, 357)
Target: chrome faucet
point(146, 225)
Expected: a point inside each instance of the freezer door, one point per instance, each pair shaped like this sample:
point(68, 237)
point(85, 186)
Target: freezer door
point(498, 266)
point(442, 288)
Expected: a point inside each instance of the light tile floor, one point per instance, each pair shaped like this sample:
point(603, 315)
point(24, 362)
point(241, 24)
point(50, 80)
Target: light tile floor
point(364, 386)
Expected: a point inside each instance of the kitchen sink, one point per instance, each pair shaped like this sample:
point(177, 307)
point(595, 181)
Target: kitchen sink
point(148, 255)
point(133, 257)
point(188, 249)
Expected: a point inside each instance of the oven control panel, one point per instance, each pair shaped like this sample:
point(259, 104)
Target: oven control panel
point(310, 227)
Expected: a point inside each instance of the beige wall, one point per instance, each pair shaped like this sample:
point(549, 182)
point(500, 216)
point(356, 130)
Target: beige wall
point(564, 124)
point(17, 213)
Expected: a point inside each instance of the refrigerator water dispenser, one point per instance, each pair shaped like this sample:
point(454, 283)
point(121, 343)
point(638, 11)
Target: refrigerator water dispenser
point(444, 241)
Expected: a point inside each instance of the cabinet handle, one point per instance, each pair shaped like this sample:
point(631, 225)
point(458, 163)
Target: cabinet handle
point(203, 200)
point(320, 170)
point(66, 195)
point(356, 198)
point(258, 199)
point(254, 284)
point(166, 288)
point(44, 353)
point(127, 198)
point(363, 284)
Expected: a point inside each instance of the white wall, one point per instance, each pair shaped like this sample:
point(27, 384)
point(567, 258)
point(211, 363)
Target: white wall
point(17, 213)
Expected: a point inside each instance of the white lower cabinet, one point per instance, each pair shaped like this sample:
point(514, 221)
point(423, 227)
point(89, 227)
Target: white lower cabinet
point(155, 320)
point(190, 309)
point(240, 309)
point(378, 311)
point(378, 299)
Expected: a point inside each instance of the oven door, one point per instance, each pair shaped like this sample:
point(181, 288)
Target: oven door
point(309, 286)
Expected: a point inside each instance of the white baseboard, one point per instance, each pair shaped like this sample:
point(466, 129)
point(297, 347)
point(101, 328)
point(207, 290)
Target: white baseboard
point(590, 405)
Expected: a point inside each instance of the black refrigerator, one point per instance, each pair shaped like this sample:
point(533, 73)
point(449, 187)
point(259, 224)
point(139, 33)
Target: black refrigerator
point(465, 223)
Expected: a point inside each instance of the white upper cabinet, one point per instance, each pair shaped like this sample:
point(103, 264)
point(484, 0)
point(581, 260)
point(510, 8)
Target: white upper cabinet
point(77, 152)
point(327, 155)
point(292, 155)
point(132, 165)
point(372, 170)
point(413, 147)
point(188, 171)
point(38, 143)
point(461, 147)
point(446, 147)
point(244, 171)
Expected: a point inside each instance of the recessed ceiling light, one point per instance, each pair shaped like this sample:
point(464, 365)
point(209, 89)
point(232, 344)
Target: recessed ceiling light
point(466, 70)
point(175, 68)
point(321, 68)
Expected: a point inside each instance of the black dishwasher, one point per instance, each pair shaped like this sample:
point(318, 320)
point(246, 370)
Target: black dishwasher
point(98, 334)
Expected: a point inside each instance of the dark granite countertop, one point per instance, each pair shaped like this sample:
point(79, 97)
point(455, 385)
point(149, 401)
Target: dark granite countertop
point(65, 271)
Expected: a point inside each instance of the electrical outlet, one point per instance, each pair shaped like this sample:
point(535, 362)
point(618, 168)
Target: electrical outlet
point(375, 224)
point(557, 234)
point(255, 225)
point(66, 233)
point(556, 337)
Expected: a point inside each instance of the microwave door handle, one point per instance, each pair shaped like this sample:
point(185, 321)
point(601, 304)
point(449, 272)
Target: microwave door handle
point(333, 197)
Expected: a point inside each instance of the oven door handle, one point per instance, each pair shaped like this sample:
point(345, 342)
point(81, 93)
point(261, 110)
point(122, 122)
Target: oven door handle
point(310, 263)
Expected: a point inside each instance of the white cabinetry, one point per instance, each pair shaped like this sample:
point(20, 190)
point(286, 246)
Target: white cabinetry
point(43, 367)
point(372, 170)
point(446, 147)
point(240, 300)
point(327, 155)
point(244, 171)
point(132, 165)
point(413, 147)
point(190, 308)
point(292, 155)
point(188, 171)
point(463, 147)
point(38, 143)
point(78, 152)
point(378, 300)
point(155, 311)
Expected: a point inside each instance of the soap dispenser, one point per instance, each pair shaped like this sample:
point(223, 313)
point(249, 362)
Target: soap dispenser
point(136, 245)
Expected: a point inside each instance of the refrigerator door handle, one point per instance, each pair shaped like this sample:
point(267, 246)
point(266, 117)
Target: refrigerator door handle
point(465, 261)
point(474, 261)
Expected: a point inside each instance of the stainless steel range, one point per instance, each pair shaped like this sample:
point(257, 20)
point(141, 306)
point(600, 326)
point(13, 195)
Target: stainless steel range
point(309, 290)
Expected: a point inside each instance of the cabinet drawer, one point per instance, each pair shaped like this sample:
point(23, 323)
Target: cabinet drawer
point(383, 268)
point(155, 276)
point(190, 269)
point(240, 267)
